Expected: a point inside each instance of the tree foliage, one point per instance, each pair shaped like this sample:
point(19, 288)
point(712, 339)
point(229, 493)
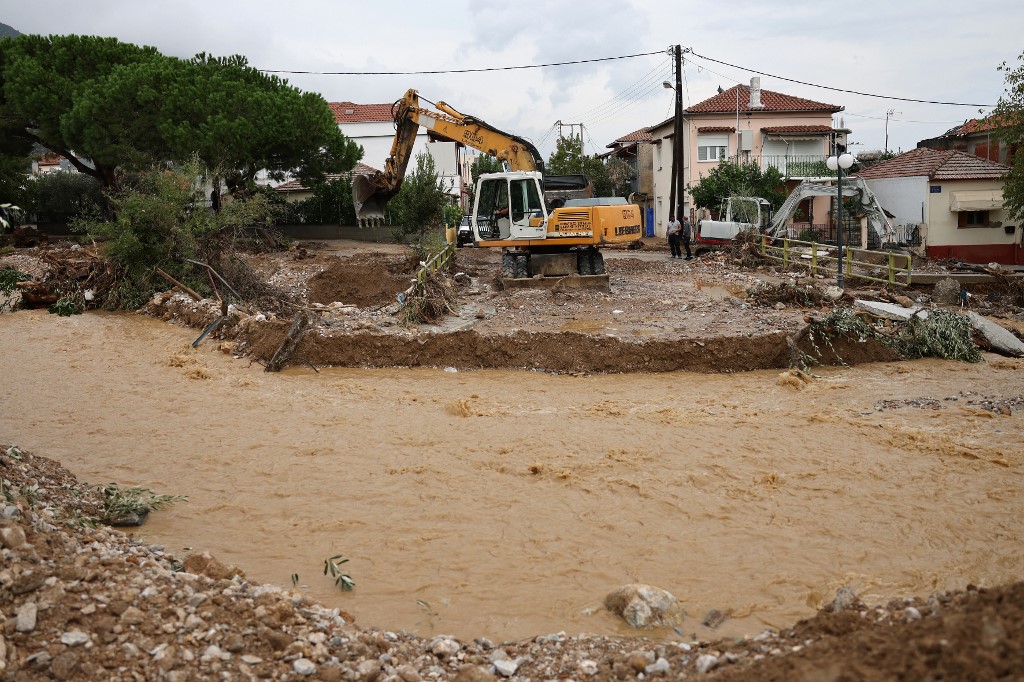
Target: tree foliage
point(569, 158)
point(736, 179)
point(418, 208)
point(159, 221)
point(112, 108)
point(1009, 113)
point(63, 196)
point(331, 203)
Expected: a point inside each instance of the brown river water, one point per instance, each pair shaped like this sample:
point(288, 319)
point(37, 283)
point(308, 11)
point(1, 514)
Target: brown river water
point(506, 504)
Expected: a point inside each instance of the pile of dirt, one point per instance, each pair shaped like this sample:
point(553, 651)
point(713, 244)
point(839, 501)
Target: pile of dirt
point(84, 602)
point(363, 280)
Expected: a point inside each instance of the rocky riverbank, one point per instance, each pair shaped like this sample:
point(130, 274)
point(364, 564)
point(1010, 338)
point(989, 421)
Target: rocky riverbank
point(81, 601)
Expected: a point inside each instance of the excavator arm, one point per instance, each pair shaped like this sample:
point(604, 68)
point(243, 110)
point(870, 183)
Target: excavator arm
point(852, 187)
point(370, 193)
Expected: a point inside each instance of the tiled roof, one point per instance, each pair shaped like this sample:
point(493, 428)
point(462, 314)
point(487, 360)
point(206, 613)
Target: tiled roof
point(725, 102)
point(642, 135)
point(789, 130)
point(936, 164)
point(50, 159)
point(349, 112)
point(971, 126)
point(297, 186)
point(716, 129)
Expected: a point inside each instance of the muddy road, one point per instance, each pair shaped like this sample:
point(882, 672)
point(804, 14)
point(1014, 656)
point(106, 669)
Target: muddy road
point(508, 503)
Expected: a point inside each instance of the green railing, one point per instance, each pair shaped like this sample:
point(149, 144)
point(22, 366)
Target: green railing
point(439, 261)
point(885, 267)
point(798, 166)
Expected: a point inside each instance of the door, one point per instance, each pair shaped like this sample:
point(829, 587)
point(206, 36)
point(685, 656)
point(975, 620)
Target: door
point(526, 210)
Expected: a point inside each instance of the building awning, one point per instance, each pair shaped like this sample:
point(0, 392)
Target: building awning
point(976, 200)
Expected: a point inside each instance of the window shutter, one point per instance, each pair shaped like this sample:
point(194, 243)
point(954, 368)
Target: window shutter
point(961, 219)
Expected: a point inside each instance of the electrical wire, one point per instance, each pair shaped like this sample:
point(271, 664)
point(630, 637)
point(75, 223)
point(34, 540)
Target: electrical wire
point(645, 91)
point(622, 95)
point(479, 70)
point(827, 87)
point(893, 118)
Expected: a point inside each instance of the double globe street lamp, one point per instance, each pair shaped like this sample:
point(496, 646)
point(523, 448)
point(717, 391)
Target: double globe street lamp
point(839, 163)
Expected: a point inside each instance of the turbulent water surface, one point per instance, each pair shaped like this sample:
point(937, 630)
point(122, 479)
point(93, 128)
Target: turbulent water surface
point(507, 504)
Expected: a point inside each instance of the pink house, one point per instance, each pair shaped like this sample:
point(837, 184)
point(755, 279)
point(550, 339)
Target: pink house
point(749, 124)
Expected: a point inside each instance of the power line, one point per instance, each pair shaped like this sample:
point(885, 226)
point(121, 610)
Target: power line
point(893, 118)
point(637, 84)
point(826, 87)
point(439, 71)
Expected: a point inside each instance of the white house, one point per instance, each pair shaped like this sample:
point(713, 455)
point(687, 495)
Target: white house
point(373, 127)
point(958, 200)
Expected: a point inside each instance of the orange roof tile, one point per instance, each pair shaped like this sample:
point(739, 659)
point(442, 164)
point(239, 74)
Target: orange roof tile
point(642, 135)
point(716, 129)
point(349, 112)
point(726, 100)
point(936, 164)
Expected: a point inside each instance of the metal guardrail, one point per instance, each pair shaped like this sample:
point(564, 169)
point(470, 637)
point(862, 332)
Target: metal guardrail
point(798, 165)
point(860, 263)
point(439, 261)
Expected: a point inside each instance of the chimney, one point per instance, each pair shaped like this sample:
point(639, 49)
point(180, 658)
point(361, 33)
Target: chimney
point(755, 93)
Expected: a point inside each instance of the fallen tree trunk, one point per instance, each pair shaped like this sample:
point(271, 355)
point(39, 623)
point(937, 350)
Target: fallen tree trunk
point(287, 347)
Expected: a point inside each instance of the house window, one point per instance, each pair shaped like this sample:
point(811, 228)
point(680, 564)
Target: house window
point(972, 219)
point(712, 147)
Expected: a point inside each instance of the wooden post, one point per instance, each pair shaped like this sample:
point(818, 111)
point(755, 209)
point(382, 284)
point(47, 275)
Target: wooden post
point(284, 351)
point(178, 284)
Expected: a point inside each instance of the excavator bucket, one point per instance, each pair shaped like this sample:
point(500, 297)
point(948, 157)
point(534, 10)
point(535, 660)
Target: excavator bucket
point(367, 200)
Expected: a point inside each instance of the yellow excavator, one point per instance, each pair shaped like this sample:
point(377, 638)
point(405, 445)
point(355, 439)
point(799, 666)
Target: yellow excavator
point(509, 210)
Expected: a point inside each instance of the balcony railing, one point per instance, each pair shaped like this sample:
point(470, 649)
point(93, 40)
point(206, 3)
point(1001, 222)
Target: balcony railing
point(799, 166)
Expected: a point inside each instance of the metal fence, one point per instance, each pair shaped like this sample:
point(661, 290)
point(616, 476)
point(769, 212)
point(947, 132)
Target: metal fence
point(439, 261)
point(885, 267)
point(798, 166)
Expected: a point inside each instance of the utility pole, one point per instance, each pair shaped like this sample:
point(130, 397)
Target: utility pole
point(675, 201)
point(888, 113)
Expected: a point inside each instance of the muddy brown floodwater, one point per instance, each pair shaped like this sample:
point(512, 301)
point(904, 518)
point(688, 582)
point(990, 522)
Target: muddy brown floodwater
point(506, 504)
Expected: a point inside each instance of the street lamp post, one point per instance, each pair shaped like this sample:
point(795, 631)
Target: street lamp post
point(839, 164)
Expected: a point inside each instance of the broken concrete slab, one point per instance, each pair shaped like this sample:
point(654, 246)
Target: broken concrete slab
point(1001, 340)
point(890, 311)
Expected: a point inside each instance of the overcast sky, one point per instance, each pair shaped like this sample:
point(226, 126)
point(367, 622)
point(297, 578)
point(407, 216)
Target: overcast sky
point(915, 49)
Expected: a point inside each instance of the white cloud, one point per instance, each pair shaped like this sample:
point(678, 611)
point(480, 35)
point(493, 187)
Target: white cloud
point(912, 48)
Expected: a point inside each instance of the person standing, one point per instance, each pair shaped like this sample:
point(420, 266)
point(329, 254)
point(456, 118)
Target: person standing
point(674, 229)
point(686, 234)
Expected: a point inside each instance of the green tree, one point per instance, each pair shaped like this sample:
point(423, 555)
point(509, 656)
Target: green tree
point(735, 179)
point(64, 196)
point(160, 220)
point(1009, 113)
point(121, 108)
point(569, 159)
point(484, 163)
point(418, 208)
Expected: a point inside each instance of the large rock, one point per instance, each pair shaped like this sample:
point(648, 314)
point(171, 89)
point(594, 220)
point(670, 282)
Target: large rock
point(946, 292)
point(645, 606)
point(205, 564)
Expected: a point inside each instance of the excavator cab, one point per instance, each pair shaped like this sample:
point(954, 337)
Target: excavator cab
point(509, 206)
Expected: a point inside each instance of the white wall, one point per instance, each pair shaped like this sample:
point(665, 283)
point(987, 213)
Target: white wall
point(377, 137)
point(903, 197)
